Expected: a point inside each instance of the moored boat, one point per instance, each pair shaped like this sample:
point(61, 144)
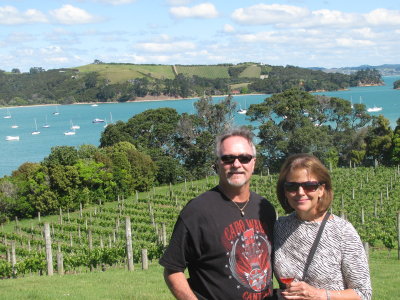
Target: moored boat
point(12, 138)
point(98, 120)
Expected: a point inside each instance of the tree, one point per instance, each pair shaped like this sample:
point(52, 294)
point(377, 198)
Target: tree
point(379, 140)
point(62, 155)
point(395, 150)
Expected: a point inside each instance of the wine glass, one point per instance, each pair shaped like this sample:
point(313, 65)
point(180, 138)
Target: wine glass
point(287, 277)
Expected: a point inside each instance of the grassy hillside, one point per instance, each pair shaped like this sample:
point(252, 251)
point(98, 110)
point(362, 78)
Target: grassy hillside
point(204, 71)
point(123, 72)
point(116, 73)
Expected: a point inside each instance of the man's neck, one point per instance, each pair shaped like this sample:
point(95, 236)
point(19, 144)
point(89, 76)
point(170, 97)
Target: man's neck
point(236, 194)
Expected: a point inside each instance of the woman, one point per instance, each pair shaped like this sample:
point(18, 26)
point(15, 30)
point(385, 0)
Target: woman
point(339, 267)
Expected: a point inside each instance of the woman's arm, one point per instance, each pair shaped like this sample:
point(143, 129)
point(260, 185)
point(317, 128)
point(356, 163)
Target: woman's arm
point(303, 291)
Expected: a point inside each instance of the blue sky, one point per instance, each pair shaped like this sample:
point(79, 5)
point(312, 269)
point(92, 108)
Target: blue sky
point(306, 33)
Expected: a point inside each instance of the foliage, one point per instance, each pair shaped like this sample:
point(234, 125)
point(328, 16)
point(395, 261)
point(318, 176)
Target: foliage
point(396, 84)
point(122, 82)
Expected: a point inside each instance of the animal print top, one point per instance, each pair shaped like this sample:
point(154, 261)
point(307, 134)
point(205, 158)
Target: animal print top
point(339, 262)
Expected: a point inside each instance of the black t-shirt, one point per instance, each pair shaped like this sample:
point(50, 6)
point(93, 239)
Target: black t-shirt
point(228, 255)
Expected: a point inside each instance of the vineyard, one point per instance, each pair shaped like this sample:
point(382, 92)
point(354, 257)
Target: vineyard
point(95, 237)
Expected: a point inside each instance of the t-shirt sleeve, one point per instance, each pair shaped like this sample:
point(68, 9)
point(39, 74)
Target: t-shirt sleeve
point(175, 256)
point(355, 263)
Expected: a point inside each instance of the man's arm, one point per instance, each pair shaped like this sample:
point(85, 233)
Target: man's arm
point(178, 285)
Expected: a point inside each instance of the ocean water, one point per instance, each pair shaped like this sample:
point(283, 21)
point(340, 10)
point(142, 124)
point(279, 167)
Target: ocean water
point(33, 148)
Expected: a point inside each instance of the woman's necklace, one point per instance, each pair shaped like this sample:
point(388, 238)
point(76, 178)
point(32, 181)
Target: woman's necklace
point(241, 209)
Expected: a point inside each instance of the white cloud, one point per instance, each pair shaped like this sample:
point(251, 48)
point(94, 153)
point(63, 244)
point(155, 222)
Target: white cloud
point(51, 50)
point(229, 28)
point(116, 2)
point(263, 14)
point(203, 11)
point(353, 43)
point(9, 15)
point(166, 47)
point(383, 16)
point(71, 15)
point(178, 2)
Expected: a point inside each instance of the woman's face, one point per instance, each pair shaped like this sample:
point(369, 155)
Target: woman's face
point(304, 200)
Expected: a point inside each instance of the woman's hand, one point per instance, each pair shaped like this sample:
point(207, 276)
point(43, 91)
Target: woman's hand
point(302, 291)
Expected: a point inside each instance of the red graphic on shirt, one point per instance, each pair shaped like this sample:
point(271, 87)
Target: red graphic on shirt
point(249, 251)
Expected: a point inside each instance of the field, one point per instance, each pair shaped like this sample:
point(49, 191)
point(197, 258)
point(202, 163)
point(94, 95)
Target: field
point(149, 284)
point(204, 71)
point(94, 237)
point(252, 71)
point(122, 72)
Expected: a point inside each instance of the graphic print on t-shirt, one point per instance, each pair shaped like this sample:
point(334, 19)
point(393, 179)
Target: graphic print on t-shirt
point(249, 252)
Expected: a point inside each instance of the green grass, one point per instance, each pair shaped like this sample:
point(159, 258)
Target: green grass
point(123, 72)
point(252, 71)
point(204, 71)
point(149, 284)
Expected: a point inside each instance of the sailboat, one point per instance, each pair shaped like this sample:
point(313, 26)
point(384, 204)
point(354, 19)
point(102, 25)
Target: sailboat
point(35, 132)
point(71, 131)
point(14, 125)
point(8, 116)
point(374, 109)
point(56, 113)
point(46, 125)
point(12, 138)
point(241, 110)
point(74, 126)
point(111, 121)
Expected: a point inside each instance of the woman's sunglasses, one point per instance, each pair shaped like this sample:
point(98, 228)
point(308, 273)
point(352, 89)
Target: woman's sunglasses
point(230, 159)
point(308, 186)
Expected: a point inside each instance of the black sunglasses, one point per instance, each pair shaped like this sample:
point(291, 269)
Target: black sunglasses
point(308, 186)
point(230, 159)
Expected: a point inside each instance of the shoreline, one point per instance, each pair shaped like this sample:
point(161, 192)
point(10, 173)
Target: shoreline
point(140, 99)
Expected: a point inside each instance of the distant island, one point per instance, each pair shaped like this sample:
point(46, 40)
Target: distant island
point(121, 82)
point(384, 70)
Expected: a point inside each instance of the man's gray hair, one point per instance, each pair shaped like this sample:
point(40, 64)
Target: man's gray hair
point(243, 132)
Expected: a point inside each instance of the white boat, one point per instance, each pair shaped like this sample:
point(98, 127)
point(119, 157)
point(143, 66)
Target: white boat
point(111, 121)
point(374, 109)
point(98, 120)
point(46, 125)
point(73, 127)
point(94, 105)
point(56, 113)
point(69, 132)
point(35, 132)
point(241, 110)
point(12, 138)
point(8, 116)
point(14, 125)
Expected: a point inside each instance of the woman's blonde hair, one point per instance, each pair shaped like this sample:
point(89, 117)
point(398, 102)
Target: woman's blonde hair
point(314, 166)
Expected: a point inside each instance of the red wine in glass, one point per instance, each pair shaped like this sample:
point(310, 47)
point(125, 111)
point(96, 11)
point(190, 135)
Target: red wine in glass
point(287, 280)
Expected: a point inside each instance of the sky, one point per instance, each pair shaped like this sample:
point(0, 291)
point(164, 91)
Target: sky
point(306, 33)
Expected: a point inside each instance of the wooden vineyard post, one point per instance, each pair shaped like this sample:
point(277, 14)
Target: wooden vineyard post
point(90, 243)
point(366, 249)
point(145, 260)
point(49, 255)
point(164, 235)
point(60, 261)
point(129, 251)
point(13, 259)
point(398, 235)
point(362, 216)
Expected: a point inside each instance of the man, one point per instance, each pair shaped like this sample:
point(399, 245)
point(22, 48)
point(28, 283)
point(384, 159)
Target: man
point(224, 235)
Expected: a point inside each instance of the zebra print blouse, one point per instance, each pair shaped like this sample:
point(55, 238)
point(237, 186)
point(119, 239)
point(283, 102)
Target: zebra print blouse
point(339, 262)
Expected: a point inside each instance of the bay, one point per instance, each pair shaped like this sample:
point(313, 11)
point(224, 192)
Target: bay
point(33, 148)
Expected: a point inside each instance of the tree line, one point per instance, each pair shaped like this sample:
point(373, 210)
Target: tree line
point(160, 146)
point(66, 86)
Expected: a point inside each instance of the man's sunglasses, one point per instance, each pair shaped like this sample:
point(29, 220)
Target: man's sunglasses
point(308, 186)
point(230, 159)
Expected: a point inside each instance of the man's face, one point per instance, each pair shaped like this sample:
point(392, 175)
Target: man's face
point(236, 173)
